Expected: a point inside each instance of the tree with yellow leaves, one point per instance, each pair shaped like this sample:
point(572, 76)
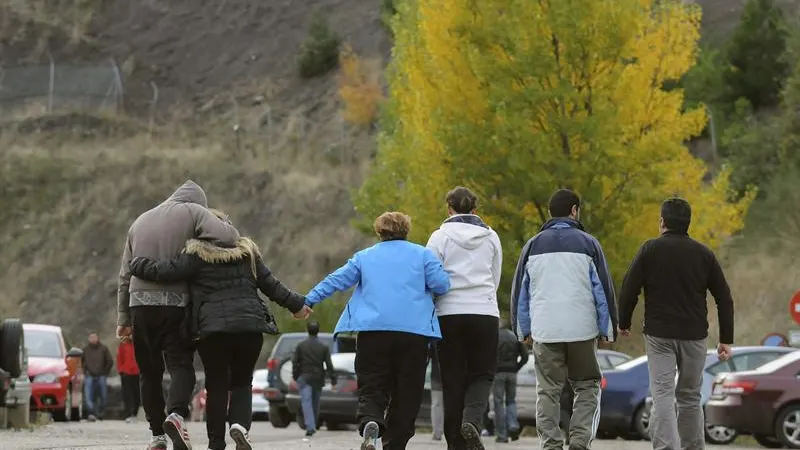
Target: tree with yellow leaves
point(517, 98)
point(359, 89)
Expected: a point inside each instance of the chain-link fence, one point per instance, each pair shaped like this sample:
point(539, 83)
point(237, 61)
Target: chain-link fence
point(48, 88)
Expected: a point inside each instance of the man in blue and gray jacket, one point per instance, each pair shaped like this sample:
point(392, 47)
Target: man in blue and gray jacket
point(562, 302)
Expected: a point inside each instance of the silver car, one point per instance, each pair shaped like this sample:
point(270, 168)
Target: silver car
point(260, 402)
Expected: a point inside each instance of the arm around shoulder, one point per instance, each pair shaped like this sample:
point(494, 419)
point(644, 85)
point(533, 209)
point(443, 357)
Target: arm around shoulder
point(210, 227)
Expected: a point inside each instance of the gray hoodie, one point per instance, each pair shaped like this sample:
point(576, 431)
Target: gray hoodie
point(161, 233)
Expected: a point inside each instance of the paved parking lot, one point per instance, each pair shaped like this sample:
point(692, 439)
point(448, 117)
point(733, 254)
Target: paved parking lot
point(114, 435)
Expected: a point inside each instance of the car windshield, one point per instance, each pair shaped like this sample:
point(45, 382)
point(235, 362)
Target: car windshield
point(344, 362)
point(632, 363)
point(43, 344)
point(779, 363)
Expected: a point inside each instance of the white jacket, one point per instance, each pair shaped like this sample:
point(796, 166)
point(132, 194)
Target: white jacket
point(471, 254)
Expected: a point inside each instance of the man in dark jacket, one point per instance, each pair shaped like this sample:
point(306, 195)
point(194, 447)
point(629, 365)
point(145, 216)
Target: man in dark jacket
point(97, 365)
point(157, 310)
point(675, 272)
point(511, 356)
point(309, 373)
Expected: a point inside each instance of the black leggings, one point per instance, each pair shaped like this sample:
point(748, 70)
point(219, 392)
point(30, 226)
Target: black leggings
point(468, 360)
point(390, 368)
point(229, 360)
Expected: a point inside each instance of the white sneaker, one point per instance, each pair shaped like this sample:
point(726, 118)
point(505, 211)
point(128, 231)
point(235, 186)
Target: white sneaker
point(240, 437)
point(158, 443)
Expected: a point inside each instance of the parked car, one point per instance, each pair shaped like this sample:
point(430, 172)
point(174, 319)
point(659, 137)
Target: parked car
point(624, 389)
point(55, 372)
point(338, 407)
point(526, 384)
point(743, 358)
point(764, 402)
point(275, 393)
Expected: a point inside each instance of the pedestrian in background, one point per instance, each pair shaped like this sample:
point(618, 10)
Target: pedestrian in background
point(437, 396)
point(227, 320)
point(563, 301)
point(97, 365)
point(129, 378)
point(676, 272)
point(472, 256)
point(511, 356)
point(393, 313)
point(311, 362)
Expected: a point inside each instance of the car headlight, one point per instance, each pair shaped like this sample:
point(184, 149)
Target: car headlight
point(46, 378)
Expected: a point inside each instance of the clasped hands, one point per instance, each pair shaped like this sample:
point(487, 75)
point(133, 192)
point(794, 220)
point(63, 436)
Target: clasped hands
point(303, 313)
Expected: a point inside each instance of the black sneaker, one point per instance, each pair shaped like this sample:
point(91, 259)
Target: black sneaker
point(310, 433)
point(501, 440)
point(472, 436)
point(371, 432)
point(513, 434)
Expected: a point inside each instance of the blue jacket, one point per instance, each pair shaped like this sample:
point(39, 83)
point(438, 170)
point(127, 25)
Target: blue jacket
point(562, 289)
point(395, 283)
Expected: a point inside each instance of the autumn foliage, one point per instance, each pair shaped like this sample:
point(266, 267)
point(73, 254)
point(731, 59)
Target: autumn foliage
point(359, 88)
point(515, 99)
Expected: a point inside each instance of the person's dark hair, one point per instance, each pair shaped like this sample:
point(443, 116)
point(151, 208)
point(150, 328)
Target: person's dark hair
point(562, 201)
point(312, 328)
point(677, 214)
point(392, 226)
point(462, 200)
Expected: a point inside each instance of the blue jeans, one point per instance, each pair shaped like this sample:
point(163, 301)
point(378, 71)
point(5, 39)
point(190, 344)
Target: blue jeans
point(504, 392)
point(95, 385)
point(309, 401)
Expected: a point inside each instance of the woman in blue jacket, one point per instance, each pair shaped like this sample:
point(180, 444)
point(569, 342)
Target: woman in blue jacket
point(393, 313)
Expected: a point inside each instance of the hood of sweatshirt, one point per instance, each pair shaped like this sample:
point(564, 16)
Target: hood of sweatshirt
point(189, 192)
point(466, 230)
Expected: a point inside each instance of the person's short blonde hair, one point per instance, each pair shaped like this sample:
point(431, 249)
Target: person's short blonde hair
point(391, 226)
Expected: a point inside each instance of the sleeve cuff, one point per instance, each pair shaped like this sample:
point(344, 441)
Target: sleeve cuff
point(123, 319)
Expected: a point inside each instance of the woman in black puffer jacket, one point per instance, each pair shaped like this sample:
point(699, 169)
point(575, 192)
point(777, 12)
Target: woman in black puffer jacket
point(227, 319)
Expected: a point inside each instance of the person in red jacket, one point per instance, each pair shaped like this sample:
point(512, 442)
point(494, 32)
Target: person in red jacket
point(129, 376)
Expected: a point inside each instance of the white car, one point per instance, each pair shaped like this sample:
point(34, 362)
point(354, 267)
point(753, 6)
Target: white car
point(260, 402)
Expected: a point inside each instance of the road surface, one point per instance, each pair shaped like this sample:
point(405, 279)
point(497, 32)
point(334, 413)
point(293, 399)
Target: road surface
point(115, 435)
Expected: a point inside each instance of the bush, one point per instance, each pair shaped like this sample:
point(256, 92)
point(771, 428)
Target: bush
point(319, 54)
point(388, 11)
point(359, 89)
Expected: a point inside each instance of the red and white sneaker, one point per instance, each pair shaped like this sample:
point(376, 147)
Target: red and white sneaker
point(175, 428)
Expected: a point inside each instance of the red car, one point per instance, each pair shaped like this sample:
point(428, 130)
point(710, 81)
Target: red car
point(55, 372)
point(764, 402)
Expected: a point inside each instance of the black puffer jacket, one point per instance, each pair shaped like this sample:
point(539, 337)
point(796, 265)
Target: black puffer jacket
point(223, 285)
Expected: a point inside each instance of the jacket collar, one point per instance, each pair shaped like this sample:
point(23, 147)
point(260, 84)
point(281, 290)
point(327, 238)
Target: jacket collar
point(469, 219)
point(562, 222)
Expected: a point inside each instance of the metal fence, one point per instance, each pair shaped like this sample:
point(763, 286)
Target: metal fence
point(48, 88)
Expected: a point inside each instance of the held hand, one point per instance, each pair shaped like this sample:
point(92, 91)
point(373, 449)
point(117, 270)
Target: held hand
point(303, 313)
point(124, 333)
point(624, 332)
point(724, 352)
point(528, 341)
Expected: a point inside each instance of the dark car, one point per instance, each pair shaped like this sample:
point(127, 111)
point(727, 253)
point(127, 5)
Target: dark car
point(338, 407)
point(279, 414)
point(624, 389)
point(764, 402)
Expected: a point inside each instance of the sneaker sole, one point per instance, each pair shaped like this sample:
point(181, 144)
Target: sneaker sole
point(472, 436)
point(370, 435)
point(240, 440)
point(175, 436)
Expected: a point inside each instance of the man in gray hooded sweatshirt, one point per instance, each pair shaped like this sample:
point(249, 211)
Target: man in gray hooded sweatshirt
point(154, 314)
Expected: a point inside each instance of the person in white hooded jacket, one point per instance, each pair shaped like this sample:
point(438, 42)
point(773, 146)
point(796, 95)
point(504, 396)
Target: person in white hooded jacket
point(468, 316)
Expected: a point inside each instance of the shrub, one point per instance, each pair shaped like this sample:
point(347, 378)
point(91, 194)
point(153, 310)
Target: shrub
point(319, 53)
point(359, 89)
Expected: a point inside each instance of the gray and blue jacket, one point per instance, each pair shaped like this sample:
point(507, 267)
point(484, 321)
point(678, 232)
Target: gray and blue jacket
point(562, 289)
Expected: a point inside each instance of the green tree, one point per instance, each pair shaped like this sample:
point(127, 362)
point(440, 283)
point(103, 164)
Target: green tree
point(757, 68)
point(319, 53)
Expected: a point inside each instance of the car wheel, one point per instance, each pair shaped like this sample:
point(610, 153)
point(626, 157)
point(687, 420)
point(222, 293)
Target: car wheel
point(301, 421)
point(768, 441)
point(279, 417)
point(11, 347)
point(641, 423)
point(787, 427)
point(720, 435)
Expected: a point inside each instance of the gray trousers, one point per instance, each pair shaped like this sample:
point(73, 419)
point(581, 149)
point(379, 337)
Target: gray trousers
point(437, 413)
point(664, 358)
point(554, 363)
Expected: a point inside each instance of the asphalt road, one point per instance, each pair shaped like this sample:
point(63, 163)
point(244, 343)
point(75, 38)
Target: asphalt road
point(114, 435)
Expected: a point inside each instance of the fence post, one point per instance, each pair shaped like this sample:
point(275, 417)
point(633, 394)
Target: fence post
point(118, 80)
point(153, 108)
point(52, 87)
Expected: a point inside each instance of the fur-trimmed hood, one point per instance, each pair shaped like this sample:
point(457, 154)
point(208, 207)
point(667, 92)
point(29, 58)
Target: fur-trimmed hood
point(214, 254)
